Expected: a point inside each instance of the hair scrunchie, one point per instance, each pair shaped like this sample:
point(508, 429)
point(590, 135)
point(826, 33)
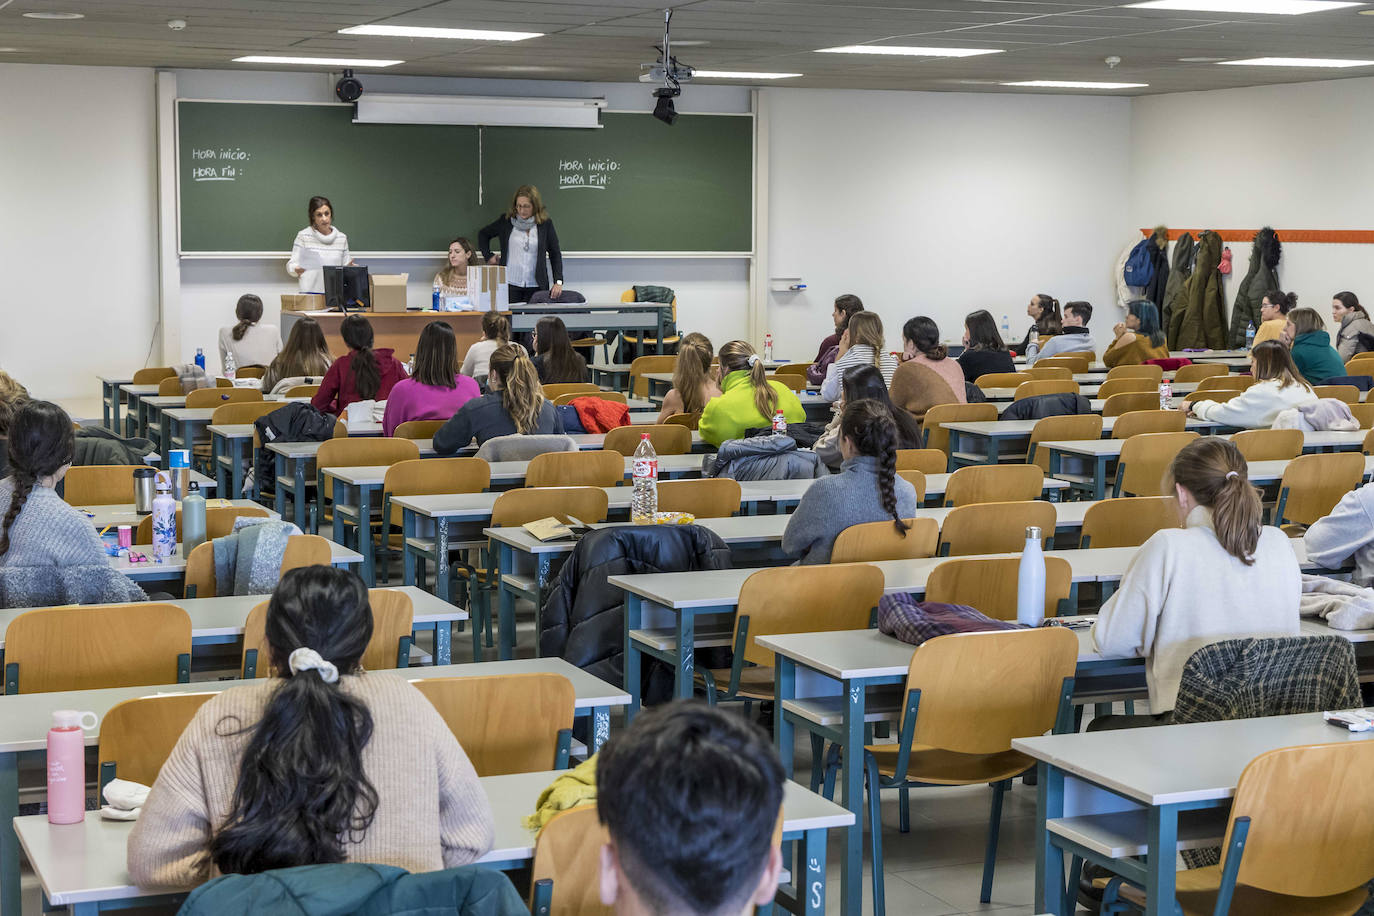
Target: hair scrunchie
point(753, 358)
point(1230, 474)
point(304, 659)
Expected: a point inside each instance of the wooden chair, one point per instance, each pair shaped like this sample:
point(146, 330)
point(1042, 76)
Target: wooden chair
point(1126, 386)
point(137, 736)
point(425, 477)
point(214, 397)
point(967, 697)
point(1137, 422)
point(356, 452)
point(527, 504)
point(791, 369)
point(567, 861)
point(1071, 427)
point(707, 497)
point(87, 648)
point(1364, 413)
point(874, 541)
point(199, 581)
point(937, 437)
point(998, 527)
point(615, 396)
point(794, 382)
point(100, 484)
point(558, 389)
point(218, 522)
point(153, 375)
point(1360, 364)
point(1037, 387)
point(1126, 402)
point(1219, 395)
point(1347, 393)
point(989, 584)
point(1145, 459)
point(1002, 380)
point(1269, 444)
point(917, 479)
point(1313, 484)
point(1287, 849)
point(994, 483)
point(633, 340)
point(1368, 447)
point(1196, 372)
point(418, 429)
point(1049, 373)
point(925, 460)
point(305, 550)
point(250, 372)
point(1155, 373)
point(507, 723)
point(790, 599)
point(1128, 522)
point(688, 420)
point(169, 387)
point(600, 468)
point(641, 366)
point(393, 619)
point(667, 439)
point(1076, 363)
point(1226, 383)
point(232, 412)
point(301, 391)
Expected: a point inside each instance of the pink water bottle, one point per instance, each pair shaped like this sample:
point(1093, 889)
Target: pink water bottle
point(67, 766)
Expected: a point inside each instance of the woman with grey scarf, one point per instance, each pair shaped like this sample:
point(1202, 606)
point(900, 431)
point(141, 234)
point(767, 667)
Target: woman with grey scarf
point(529, 246)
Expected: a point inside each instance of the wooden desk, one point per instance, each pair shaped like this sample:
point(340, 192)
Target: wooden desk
point(398, 330)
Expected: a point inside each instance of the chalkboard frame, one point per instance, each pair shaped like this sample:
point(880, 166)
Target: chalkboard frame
point(284, 253)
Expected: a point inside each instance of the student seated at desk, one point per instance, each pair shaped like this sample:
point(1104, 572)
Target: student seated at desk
point(921, 347)
point(866, 382)
point(1347, 533)
point(984, 350)
point(50, 553)
point(860, 345)
point(1277, 387)
point(690, 797)
point(495, 333)
point(250, 342)
point(1311, 347)
point(1043, 311)
point(1138, 338)
point(514, 403)
point(325, 763)
point(749, 398)
point(1074, 336)
point(555, 360)
point(867, 489)
point(1224, 575)
point(1274, 309)
point(361, 374)
point(846, 306)
point(694, 379)
point(437, 390)
point(306, 355)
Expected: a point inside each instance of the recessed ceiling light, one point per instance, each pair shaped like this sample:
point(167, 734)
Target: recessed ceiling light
point(1075, 84)
point(1270, 7)
point(741, 75)
point(415, 31)
point(317, 61)
point(46, 15)
point(9, 50)
point(690, 43)
point(1295, 62)
point(908, 51)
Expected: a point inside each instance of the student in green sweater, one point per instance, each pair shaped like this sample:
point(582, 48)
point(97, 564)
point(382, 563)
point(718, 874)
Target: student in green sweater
point(749, 398)
point(1312, 352)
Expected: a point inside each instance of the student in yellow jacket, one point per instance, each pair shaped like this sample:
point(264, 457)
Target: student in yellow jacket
point(749, 399)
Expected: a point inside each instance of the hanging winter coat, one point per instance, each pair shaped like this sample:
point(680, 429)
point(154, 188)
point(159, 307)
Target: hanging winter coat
point(1199, 318)
point(1260, 277)
point(1185, 253)
point(1159, 260)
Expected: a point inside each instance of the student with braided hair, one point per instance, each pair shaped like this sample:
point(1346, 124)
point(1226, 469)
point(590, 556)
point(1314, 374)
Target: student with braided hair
point(867, 489)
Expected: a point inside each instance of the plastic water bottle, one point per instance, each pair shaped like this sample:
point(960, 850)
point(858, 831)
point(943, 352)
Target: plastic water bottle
point(192, 520)
point(1166, 395)
point(1033, 347)
point(231, 368)
point(1030, 581)
point(67, 766)
point(780, 423)
point(768, 348)
point(1006, 328)
point(438, 300)
point(1250, 335)
point(644, 500)
point(164, 520)
point(200, 358)
point(410, 366)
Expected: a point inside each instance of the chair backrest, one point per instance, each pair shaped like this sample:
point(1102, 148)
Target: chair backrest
point(1219, 395)
point(917, 479)
point(874, 541)
point(1196, 372)
point(199, 581)
point(994, 483)
point(1223, 382)
point(806, 599)
point(418, 429)
point(1002, 380)
point(1269, 444)
point(1363, 413)
point(689, 420)
point(1126, 386)
point(242, 411)
point(1127, 401)
point(214, 397)
point(1347, 393)
point(641, 366)
point(301, 391)
point(558, 389)
point(1075, 363)
point(1050, 373)
point(1145, 459)
point(791, 369)
point(1368, 447)
point(250, 372)
point(517, 507)
point(1037, 387)
point(979, 691)
point(100, 484)
point(567, 852)
point(168, 387)
point(1360, 364)
point(667, 439)
point(1313, 484)
point(1143, 371)
point(430, 476)
point(989, 584)
point(305, 550)
point(137, 736)
point(393, 618)
point(218, 522)
point(1067, 427)
point(937, 436)
point(997, 527)
point(925, 460)
point(1137, 422)
point(600, 468)
point(1128, 522)
point(506, 723)
point(152, 375)
point(615, 396)
point(360, 451)
point(706, 497)
point(86, 648)
point(792, 381)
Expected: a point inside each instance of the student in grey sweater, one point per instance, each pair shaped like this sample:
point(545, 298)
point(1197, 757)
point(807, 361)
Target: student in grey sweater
point(1348, 532)
point(867, 489)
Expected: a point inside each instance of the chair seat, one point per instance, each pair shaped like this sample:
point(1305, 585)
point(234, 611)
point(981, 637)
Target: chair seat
point(950, 768)
point(755, 682)
point(1196, 892)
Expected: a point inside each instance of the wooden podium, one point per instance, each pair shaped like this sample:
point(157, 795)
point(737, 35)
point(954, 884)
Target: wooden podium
point(398, 330)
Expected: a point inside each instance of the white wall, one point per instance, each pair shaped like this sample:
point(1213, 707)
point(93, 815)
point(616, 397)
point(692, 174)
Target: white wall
point(78, 228)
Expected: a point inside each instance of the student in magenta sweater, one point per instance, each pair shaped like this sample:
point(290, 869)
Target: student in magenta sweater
point(361, 374)
point(437, 390)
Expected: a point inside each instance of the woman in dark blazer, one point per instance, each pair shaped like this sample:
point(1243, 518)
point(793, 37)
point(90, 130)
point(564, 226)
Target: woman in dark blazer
point(527, 239)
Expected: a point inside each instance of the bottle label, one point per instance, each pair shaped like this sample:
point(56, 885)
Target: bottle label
point(779, 423)
point(646, 467)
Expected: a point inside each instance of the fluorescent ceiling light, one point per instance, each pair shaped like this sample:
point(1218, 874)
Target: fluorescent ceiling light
point(741, 75)
point(394, 108)
point(1076, 84)
point(416, 31)
point(909, 51)
point(1270, 7)
point(316, 61)
point(1295, 62)
point(46, 15)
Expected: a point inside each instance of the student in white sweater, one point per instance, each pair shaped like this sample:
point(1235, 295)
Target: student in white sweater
point(1223, 575)
point(250, 342)
point(1278, 386)
point(316, 246)
point(860, 345)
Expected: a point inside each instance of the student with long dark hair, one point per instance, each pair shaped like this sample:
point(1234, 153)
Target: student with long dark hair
point(514, 404)
point(984, 350)
point(1043, 310)
point(1138, 338)
point(865, 382)
point(437, 389)
point(554, 358)
point(250, 342)
point(867, 489)
point(1356, 331)
point(305, 356)
point(324, 763)
point(362, 373)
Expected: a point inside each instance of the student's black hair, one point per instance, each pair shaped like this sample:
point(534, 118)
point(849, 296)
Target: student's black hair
point(1286, 302)
point(436, 356)
point(1081, 309)
point(924, 335)
point(315, 203)
point(1147, 314)
point(301, 791)
point(690, 796)
point(982, 331)
point(248, 310)
point(1349, 300)
point(1049, 321)
point(356, 331)
point(850, 305)
point(561, 362)
point(869, 425)
point(860, 382)
point(41, 441)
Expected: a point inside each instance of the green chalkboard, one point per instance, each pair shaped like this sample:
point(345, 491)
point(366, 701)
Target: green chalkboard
point(247, 169)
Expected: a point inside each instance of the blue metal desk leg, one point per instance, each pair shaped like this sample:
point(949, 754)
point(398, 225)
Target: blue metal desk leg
point(1100, 478)
point(105, 405)
point(114, 411)
point(601, 727)
point(1159, 868)
point(686, 654)
point(221, 481)
point(279, 471)
point(784, 732)
point(341, 495)
point(813, 900)
point(852, 874)
point(634, 619)
point(365, 536)
point(9, 843)
point(299, 472)
point(407, 558)
point(441, 584)
point(659, 313)
point(1049, 861)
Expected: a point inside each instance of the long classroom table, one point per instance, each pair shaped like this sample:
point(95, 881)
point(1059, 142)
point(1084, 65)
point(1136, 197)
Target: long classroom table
point(993, 435)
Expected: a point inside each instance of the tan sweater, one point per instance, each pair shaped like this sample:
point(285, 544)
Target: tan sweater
point(431, 810)
point(1135, 352)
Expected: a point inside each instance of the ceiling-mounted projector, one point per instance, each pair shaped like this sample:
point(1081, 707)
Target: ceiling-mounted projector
point(673, 72)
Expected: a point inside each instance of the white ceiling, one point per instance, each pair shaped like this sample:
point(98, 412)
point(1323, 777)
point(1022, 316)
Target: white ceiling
point(606, 40)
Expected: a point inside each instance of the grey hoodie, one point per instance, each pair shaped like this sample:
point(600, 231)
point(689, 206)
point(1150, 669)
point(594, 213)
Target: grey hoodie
point(1347, 532)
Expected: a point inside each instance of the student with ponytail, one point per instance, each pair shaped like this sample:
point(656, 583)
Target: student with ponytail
point(323, 763)
point(514, 404)
point(867, 489)
point(250, 342)
point(694, 381)
point(749, 398)
point(1223, 575)
point(361, 374)
point(495, 333)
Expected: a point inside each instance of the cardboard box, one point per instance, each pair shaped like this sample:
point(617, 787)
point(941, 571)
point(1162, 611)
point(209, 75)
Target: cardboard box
point(387, 292)
point(487, 288)
point(302, 302)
